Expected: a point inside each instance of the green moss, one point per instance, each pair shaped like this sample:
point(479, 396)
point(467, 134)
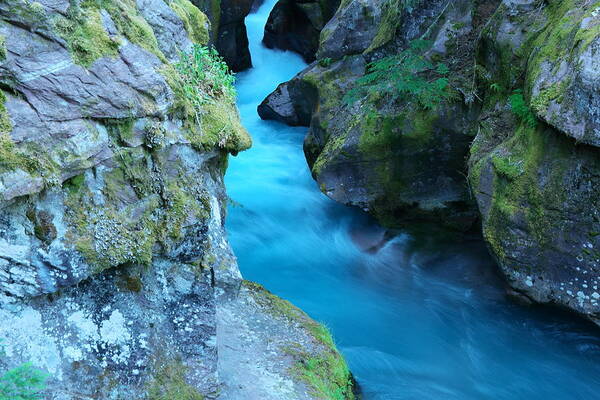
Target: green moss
point(564, 36)
point(506, 167)
point(12, 158)
point(144, 207)
point(332, 148)
point(391, 19)
point(554, 93)
point(85, 35)
point(221, 128)
point(32, 12)
point(170, 383)
point(195, 21)
point(5, 122)
point(129, 23)
point(326, 374)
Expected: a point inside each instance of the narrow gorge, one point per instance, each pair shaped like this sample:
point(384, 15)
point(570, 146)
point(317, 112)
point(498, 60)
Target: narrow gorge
point(420, 177)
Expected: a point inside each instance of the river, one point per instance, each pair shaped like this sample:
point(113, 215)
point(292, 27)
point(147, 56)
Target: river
point(425, 317)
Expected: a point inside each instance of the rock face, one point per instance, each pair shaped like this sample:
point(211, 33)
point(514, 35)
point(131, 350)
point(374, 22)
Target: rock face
point(388, 155)
point(527, 109)
point(296, 25)
point(229, 30)
point(114, 262)
point(537, 184)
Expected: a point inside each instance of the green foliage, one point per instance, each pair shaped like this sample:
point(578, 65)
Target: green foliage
point(2, 48)
point(22, 383)
point(521, 109)
point(205, 77)
point(196, 23)
point(325, 62)
point(496, 88)
point(407, 75)
point(507, 167)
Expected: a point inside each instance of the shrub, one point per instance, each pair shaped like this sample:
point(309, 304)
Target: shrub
point(406, 75)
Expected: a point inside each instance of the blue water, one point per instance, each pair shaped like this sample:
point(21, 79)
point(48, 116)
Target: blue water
point(422, 318)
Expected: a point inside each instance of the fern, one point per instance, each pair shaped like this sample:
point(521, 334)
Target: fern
point(521, 109)
point(22, 383)
point(406, 75)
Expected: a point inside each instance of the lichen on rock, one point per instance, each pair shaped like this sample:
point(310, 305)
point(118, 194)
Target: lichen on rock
point(113, 255)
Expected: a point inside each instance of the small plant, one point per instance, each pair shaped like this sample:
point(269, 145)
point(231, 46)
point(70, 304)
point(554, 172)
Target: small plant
point(205, 77)
point(496, 88)
point(325, 62)
point(521, 109)
point(22, 383)
point(406, 75)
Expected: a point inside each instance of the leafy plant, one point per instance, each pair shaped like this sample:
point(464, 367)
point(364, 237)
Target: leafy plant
point(205, 77)
point(325, 62)
point(406, 75)
point(22, 383)
point(521, 109)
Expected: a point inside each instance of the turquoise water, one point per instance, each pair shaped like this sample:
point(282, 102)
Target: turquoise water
point(423, 317)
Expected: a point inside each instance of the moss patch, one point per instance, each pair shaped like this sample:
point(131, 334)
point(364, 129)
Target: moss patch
point(169, 383)
point(195, 21)
point(5, 122)
point(85, 35)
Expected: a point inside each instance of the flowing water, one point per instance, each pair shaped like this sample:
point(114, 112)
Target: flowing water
point(423, 317)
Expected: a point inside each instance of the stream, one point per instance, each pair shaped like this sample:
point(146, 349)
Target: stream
point(425, 316)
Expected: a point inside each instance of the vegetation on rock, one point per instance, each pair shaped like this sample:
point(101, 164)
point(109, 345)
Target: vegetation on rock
point(409, 74)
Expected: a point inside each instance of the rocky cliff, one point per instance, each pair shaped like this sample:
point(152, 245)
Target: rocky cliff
point(116, 278)
point(535, 163)
point(517, 98)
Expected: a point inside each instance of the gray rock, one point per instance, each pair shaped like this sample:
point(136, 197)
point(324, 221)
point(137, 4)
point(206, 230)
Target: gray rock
point(296, 25)
point(112, 242)
point(536, 187)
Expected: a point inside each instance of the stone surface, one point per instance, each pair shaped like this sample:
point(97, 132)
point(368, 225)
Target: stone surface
point(296, 25)
point(390, 157)
point(535, 183)
point(262, 339)
point(113, 256)
point(229, 30)
point(536, 186)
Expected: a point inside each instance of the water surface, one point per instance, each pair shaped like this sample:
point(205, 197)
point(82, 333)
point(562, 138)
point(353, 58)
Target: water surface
point(423, 317)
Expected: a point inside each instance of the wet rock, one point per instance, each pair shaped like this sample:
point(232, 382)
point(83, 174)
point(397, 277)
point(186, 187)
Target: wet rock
point(387, 156)
point(536, 186)
point(296, 25)
point(292, 103)
point(229, 30)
